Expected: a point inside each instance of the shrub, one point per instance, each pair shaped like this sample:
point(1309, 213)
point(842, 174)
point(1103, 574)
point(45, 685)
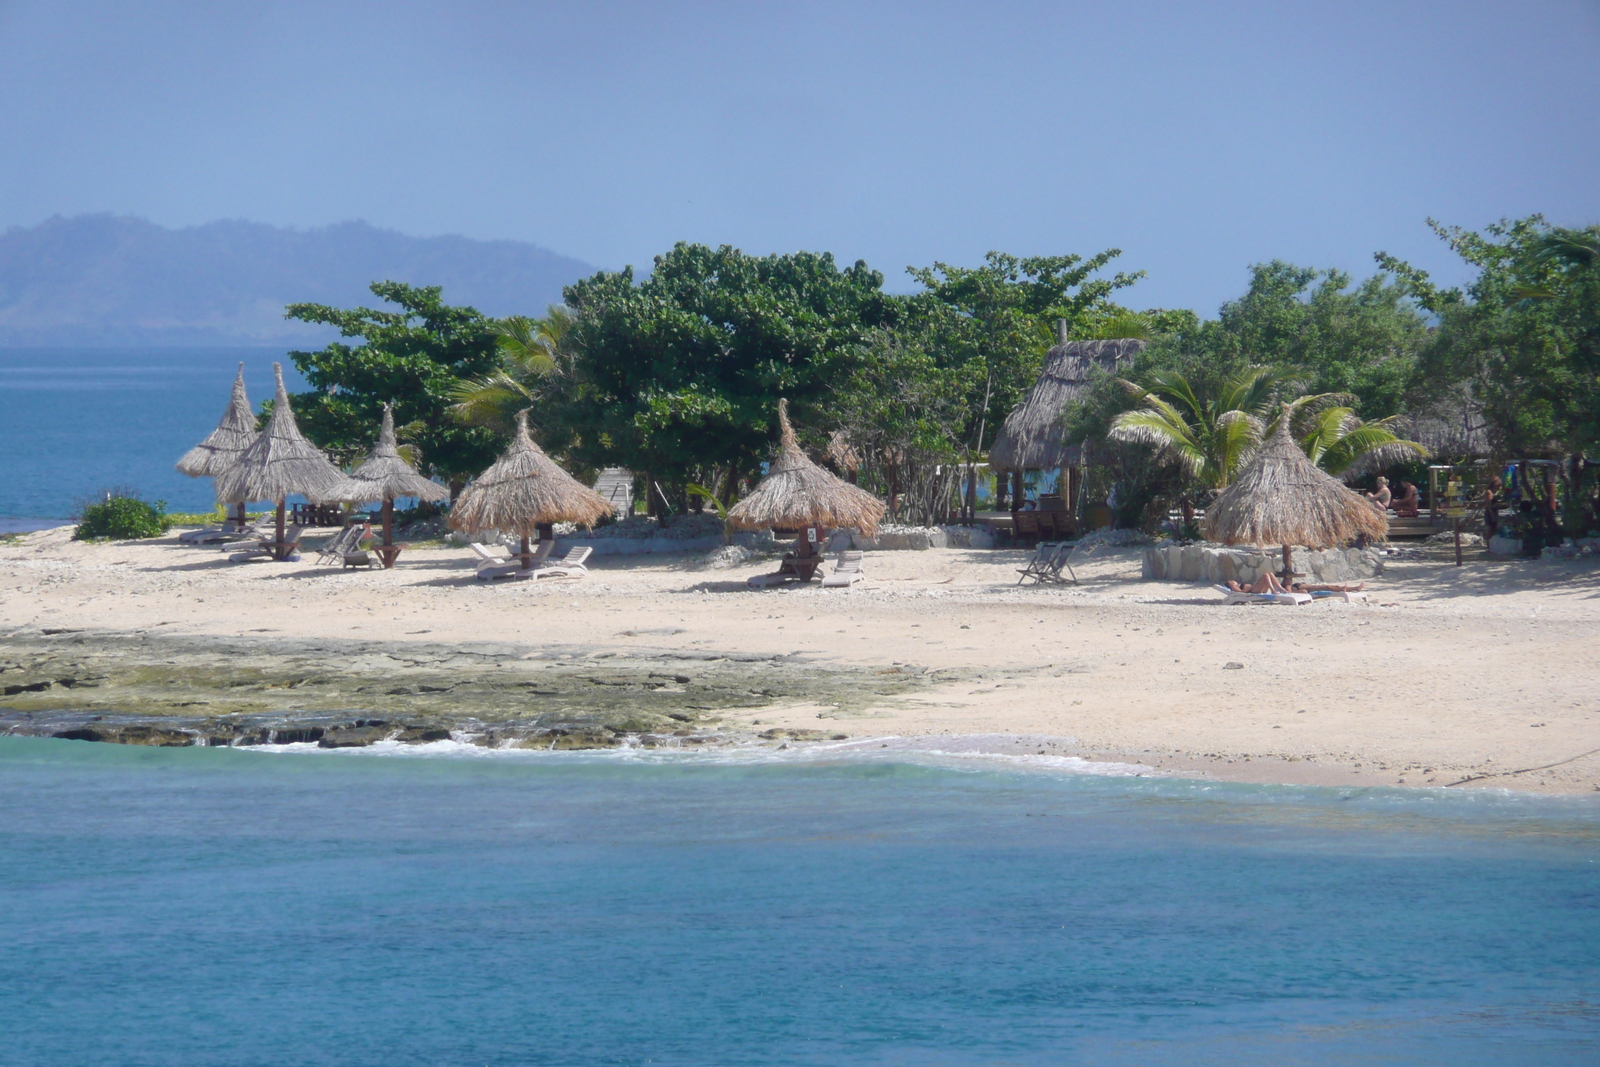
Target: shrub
point(123, 516)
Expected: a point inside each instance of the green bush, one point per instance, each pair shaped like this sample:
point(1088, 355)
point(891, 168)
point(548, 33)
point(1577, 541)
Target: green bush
point(123, 517)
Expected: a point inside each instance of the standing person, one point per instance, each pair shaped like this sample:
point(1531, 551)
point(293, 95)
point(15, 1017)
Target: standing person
point(1493, 497)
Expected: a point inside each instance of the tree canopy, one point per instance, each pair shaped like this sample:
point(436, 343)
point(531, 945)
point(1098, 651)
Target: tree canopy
point(685, 368)
point(1525, 333)
point(414, 358)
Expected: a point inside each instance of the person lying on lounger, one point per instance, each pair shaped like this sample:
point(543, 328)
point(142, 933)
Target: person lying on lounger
point(1268, 583)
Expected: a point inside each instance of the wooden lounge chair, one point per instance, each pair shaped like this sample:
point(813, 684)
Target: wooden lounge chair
point(1025, 527)
point(569, 564)
point(342, 544)
point(1233, 596)
point(1048, 560)
point(791, 568)
point(846, 572)
point(263, 548)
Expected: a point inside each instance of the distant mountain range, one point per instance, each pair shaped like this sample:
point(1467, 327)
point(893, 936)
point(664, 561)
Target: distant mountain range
point(108, 280)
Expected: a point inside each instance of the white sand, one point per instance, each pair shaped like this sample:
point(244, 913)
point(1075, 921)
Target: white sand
point(1447, 674)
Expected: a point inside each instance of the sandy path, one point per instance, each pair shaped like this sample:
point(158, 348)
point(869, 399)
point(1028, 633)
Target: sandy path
point(1448, 674)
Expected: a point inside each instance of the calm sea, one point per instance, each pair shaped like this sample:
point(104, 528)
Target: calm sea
point(446, 906)
point(75, 422)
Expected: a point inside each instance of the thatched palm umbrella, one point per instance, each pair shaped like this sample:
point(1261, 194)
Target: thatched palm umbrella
point(1281, 497)
point(796, 492)
point(223, 445)
point(526, 493)
point(384, 475)
point(278, 464)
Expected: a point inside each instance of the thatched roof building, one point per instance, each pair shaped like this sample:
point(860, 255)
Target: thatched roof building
point(796, 492)
point(1031, 438)
point(1451, 428)
point(278, 463)
point(524, 490)
point(1280, 497)
point(223, 445)
point(384, 475)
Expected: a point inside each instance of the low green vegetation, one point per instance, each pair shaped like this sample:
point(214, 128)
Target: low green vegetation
point(122, 517)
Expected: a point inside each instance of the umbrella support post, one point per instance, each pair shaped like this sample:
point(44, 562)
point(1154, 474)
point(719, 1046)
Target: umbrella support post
point(388, 552)
point(279, 550)
point(526, 554)
point(240, 519)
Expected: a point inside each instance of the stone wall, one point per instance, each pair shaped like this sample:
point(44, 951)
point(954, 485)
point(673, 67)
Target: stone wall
point(1207, 562)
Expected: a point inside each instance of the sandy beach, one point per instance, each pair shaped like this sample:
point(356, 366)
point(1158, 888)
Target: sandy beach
point(1483, 676)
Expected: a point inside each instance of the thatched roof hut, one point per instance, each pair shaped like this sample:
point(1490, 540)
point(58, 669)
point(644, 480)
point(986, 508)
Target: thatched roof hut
point(1280, 497)
point(1031, 436)
point(223, 445)
point(796, 492)
point(1453, 427)
point(280, 462)
point(384, 475)
point(524, 490)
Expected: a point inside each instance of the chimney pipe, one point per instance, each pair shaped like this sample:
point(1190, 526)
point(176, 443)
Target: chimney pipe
point(1062, 331)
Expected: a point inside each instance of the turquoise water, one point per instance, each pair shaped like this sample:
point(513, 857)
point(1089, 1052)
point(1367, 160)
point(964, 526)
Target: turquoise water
point(207, 906)
point(75, 422)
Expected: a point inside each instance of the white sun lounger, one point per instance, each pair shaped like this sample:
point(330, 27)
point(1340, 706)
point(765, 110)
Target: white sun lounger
point(1235, 597)
point(569, 564)
point(846, 572)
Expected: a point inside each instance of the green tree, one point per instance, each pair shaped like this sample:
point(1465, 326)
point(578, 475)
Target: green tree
point(1525, 333)
point(1208, 432)
point(414, 358)
point(681, 373)
point(1362, 340)
point(1336, 439)
point(998, 320)
point(535, 361)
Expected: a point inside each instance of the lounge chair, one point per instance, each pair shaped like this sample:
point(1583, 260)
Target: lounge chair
point(360, 557)
point(1045, 566)
point(569, 564)
point(791, 568)
point(1352, 597)
point(216, 535)
point(342, 544)
point(1234, 596)
point(846, 572)
point(262, 548)
point(492, 563)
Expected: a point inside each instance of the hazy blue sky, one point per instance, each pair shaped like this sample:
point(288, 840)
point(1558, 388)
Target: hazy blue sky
point(1197, 137)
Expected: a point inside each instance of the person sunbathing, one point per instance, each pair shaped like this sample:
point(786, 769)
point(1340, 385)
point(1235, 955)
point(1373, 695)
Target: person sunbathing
point(1406, 504)
point(1380, 499)
point(1268, 583)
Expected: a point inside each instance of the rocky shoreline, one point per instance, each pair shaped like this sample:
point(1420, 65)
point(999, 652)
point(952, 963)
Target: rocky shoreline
point(152, 689)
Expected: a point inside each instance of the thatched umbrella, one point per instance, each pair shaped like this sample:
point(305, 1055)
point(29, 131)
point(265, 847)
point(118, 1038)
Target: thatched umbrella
point(796, 492)
point(383, 476)
point(526, 493)
point(1281, 497)
point(278, 464)
point(223, 445)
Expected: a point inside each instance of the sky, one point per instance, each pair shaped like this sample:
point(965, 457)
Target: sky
point(1199, 138)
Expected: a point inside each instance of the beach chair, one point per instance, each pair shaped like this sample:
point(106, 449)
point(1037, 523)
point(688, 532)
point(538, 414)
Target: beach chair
point(1353, 597)
point(360, 557)
point(342, 544)
point(493, 563)
point(1047, 562)
point(846, 572)
point(263, 548)
point(1233, 596)
point(216, 535)
point(569, 564)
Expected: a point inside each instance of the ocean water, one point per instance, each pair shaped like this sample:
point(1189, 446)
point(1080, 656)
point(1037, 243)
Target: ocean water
point(75, 422)
point(446, 906)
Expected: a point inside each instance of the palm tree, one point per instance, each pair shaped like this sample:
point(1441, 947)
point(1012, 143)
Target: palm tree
point(532, 352)
point(1209, 435)
point(1336, 440)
